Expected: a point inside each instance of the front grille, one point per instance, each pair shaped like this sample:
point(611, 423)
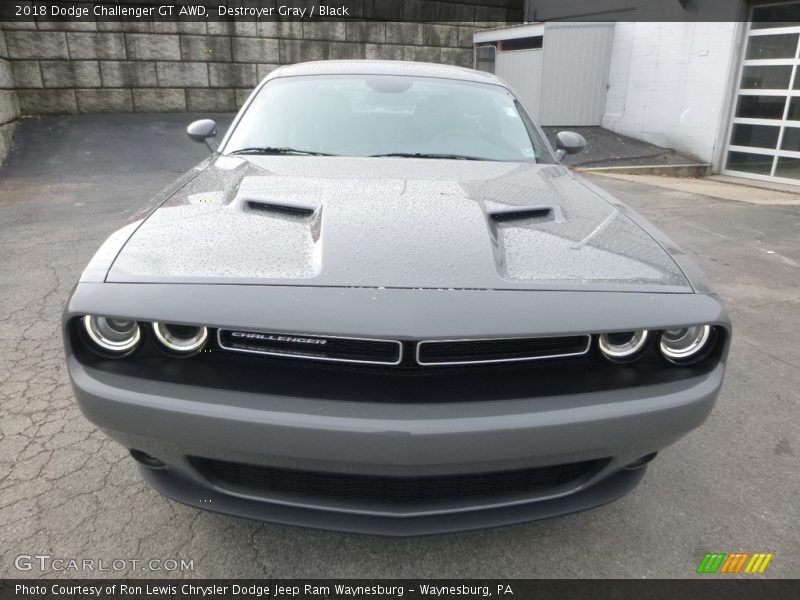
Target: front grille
point(393, 490)
point(457, 352)
point(339, 349)
point(390, 352)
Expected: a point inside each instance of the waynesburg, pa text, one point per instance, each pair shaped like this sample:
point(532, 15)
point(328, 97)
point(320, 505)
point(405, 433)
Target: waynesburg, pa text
point(275, 590)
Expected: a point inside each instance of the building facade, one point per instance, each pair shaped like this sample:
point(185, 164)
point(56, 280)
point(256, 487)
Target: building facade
point(717, 80)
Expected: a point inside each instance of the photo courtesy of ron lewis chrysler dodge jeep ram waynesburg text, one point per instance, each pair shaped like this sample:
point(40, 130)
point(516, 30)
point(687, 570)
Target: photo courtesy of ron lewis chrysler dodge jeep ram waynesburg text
point(382, 305)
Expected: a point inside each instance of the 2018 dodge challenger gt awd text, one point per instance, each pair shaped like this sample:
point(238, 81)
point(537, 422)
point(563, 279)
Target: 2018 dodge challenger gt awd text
point(382, 305)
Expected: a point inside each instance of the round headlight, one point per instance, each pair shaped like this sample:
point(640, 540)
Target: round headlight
point(115, 336)
point(181, 339)
point(684, 344)
point(622, 346)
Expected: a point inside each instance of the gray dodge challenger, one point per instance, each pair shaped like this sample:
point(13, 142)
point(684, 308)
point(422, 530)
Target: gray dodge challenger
point(382, 305)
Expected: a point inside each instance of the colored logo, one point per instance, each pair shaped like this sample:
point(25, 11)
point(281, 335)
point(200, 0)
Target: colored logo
point(737, 562)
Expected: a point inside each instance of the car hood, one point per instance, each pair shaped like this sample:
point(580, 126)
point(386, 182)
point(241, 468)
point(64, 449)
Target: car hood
point(393, 222)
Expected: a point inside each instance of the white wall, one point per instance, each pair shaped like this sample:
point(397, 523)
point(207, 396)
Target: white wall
point(522, 70)
point(669, 83)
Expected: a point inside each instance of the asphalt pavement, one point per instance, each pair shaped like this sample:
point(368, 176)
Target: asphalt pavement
point(68, 492)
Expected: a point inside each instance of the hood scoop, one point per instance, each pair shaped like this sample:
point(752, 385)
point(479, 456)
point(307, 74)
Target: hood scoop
point(361, 223)
point(284, 206)
point(505, 213)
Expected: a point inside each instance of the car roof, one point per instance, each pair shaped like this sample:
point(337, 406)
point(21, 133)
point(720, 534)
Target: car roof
point(384, 67)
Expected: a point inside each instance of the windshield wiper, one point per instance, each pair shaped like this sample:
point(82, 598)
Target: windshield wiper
point(427, 155)
point(273, 150)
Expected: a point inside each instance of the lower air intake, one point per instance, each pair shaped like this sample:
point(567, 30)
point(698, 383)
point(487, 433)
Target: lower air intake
point(370, 489)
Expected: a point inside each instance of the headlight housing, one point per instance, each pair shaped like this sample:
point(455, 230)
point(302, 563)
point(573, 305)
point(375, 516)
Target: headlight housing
point(623, 346)
point(685, 344)
point(117, 337)
point(183, 340)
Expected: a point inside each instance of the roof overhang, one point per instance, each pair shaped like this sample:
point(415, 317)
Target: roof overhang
point(515, 32)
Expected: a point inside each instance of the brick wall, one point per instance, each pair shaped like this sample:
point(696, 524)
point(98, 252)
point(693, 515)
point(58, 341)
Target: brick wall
point(92, 67)
point(9, 105)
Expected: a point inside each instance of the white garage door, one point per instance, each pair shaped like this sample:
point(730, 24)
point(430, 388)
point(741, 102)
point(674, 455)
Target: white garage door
point(764, 138)
point(564, 83)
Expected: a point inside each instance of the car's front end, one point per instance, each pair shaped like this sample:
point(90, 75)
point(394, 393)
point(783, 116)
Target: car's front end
point(393, 345)
point(399, 449)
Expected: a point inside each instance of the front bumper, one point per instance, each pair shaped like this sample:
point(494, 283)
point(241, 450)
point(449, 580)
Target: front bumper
point(173, 422)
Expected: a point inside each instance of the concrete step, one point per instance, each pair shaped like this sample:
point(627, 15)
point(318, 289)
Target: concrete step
point(693, 170)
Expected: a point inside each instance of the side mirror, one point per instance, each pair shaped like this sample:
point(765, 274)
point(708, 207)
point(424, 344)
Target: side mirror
point(569, 142)
point(202, 131)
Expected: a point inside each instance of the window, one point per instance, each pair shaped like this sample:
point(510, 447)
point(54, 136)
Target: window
point(485, 57)
point(529, 43)
point(371, 115)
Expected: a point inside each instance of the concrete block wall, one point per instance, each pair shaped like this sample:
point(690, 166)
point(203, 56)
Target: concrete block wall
point(99, 66)
point(9, 104)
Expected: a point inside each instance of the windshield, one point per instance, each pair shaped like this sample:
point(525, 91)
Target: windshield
point(380, 115)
